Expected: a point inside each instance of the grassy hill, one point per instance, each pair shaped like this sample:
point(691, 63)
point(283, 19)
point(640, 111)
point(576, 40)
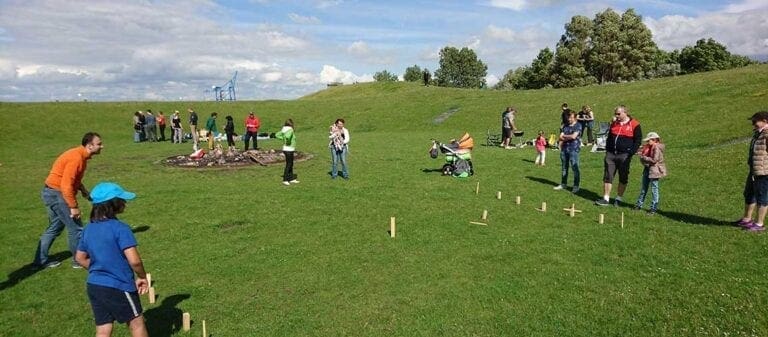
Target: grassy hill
point(252, 257)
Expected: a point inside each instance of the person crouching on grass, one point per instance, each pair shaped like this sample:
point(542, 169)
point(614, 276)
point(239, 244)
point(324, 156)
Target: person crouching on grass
point(108, 250)
point(756, 187)
point(652, 157)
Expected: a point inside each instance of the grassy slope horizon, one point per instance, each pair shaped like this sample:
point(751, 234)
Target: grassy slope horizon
point(236, 248)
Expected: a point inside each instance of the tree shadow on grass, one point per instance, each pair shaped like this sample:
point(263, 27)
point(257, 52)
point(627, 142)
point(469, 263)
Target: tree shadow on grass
point(28, 270)
point(165, 320)
point(693, 219)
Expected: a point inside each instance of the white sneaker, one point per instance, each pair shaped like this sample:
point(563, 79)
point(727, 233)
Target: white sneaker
point(294, 181)
point(286, 183)
point(558, 187)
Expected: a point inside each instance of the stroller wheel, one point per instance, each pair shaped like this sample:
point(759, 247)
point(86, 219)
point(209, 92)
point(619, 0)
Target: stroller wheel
point(447, 169)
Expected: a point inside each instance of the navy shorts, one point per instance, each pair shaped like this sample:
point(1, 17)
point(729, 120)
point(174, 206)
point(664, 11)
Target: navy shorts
point(110, 304)
point(756, 190)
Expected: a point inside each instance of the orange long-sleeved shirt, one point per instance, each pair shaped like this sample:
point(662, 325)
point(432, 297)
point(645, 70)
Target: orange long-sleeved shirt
point(67, 173)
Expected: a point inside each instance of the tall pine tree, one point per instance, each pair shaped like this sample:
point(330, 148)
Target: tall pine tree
point(569, 67)
point(605, 60)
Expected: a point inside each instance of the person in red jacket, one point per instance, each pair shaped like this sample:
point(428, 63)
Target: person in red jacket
point(624, 138)
point(252, 125)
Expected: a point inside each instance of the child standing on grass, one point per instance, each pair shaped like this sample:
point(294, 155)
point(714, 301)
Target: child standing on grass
point(108, 250)
point(756, 187)
point(652, 157)
point(541, 149)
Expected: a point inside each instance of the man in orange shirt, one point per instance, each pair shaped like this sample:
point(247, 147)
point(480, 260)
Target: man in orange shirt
point(60, 198)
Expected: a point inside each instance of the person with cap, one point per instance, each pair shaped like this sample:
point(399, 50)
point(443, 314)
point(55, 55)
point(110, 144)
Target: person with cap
point(756, 187)
point(624, 138)
point(651, 155)
point(60, 198)
point(108, 251)
point(252, 124)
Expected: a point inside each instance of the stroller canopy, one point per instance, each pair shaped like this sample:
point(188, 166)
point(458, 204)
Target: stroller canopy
point(466, 142)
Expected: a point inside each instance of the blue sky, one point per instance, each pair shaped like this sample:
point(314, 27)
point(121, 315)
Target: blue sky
point(177, 49)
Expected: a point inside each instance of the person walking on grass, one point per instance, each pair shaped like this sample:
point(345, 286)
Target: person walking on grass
point(570, 140)
point(756, 187)
point(651, 155)
point(289, 148)
point(60, 198)
point(624, 138)
point(108, 251)
point(339, 144)
point(541, 149)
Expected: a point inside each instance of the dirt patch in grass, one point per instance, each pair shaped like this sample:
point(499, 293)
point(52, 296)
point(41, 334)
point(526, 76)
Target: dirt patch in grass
point(219, 158)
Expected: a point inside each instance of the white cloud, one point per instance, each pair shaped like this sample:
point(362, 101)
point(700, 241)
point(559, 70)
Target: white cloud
point(304, 20)
point(746, 5)
point(271, 76)
point(322, 4)
point(515, 5)
point(359, 48)
point(491, 80)
point(737, 31)
point(331, 74)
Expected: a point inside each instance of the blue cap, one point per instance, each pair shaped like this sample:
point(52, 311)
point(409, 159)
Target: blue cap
point(107, 191)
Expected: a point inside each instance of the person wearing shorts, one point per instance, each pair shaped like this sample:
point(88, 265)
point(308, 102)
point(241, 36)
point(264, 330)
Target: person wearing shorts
point(624, 138)
point(507, 125)
point(108, 250)
point(756, 186)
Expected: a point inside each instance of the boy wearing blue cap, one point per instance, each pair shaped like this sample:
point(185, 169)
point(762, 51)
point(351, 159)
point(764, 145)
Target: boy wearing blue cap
point(108, 250)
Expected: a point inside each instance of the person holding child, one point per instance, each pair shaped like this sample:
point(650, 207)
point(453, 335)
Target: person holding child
point(339, 143)
point(651, 155)
point(108, 250)
point(570, 144)
point(756, 187)
point(541, 148)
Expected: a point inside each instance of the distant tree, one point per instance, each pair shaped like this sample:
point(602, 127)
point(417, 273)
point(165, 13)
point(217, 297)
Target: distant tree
point(665, 64)
point(460, 68)
point(569, 67)
point(605, 60)
point(539, 74)
point(512, 79)
point(638, 48)
point(413, 74)
point(709, 55)
point(384, 76)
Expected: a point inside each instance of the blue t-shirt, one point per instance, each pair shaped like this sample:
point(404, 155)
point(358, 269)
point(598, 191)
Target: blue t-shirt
point(574, 144)
point(105, 241)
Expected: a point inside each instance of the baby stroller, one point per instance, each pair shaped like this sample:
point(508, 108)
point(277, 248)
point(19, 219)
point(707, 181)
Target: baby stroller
point(601, 136)
point(458, 156)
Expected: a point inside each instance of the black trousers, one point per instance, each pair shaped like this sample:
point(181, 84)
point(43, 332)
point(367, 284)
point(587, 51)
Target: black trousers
point(288, 172)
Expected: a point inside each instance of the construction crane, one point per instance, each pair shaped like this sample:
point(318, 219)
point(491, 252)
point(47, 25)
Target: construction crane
point(225, 92)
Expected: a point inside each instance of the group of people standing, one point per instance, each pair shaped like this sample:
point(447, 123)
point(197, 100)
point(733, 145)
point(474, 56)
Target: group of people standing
point(624, 140)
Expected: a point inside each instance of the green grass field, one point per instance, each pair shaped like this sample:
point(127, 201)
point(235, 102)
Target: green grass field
point(252, 257)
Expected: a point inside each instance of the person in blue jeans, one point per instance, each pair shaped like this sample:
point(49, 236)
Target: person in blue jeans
point(108, 250)
point(654, 168)
point(570, 140)
point(339, 146)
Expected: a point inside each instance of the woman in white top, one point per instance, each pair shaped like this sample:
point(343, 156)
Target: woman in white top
point(339, 144)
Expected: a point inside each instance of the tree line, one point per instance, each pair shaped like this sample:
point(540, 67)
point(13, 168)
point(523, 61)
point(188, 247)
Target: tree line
point(611, 47)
